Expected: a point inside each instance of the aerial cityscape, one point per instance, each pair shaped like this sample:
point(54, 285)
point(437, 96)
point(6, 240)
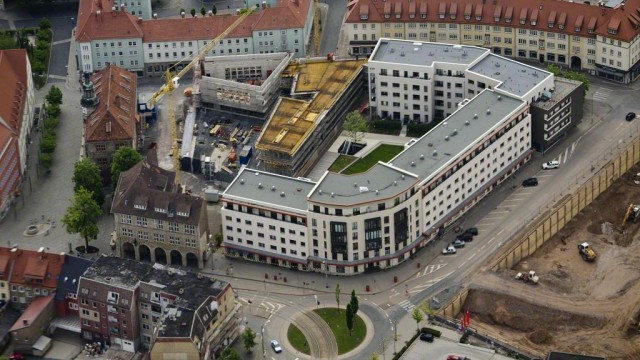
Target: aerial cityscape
point(319, 179)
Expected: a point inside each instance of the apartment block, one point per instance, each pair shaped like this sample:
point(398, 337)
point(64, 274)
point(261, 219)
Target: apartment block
point(602, 39)
point(156, 221)
point(135, 305)
point(112, 35)
point(66, 298)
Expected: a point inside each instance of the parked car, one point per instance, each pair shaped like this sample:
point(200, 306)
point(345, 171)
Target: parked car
point(530, 182)
point(472, 230)
point(458, 244)
point(17, 356)
point(457, 357)
point(630, 116)
point(553, 164)
point(464, 237)
point(276, 346)
point(449, 250)
point(426, 337)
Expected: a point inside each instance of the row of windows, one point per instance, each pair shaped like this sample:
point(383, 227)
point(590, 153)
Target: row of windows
point(283, 250)
point(173, 239)
point(157, 224)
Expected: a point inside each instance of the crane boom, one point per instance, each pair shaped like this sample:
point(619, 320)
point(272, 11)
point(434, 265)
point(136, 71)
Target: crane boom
point(171, 82)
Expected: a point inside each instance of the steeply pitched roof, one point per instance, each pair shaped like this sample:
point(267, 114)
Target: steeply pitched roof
point(201, 28)
point(13, 92)
point(115, 115)
point(96, 20)
point(32, 312)
point(149, 191)
point(70, 274)
point(35, 265)
point(623, 20)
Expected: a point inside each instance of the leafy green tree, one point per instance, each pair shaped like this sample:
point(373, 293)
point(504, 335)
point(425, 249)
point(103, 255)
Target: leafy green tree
point(374, 356)
point(350, 316)
point(44, 24)
point(417, 316)
point(230, 354)
point(86, 174)
point(218, 239)
point(123, 159)
point(46, 160)
point(338, 295)
point(82, 216)
point(214, 10)
point(53, 110)
point(182, 12)
point(249, 339)
point(354, 302)
point(355, 126)
point(193, 12)
point(7, 42)
point(54, 97)
point(203, 11)
point(48, 142)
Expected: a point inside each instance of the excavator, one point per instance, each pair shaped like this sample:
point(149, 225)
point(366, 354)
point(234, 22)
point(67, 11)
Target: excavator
point(586, 252)
point(633, 212)
point(529, 278)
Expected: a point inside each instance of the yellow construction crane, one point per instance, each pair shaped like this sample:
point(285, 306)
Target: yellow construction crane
point(172, 82)
point(316, 27)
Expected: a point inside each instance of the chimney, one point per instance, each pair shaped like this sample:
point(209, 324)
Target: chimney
point(25, 322)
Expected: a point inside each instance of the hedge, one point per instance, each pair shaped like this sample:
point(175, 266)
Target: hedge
point(399, 354)
point(386, 125)
point(434, 332)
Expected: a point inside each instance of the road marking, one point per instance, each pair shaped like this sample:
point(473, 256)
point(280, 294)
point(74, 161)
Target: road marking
point(483, 246)
point(514, 199)
point(500, 232)
point(471, 257)
point(461, 265)
point(566, 155)
point(490, 240)
point(407, 305)
point(500, 212)
point(430, 269)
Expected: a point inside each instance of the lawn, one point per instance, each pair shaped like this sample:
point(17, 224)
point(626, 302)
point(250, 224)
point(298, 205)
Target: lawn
point(297, 339)
point(336, 318)
point(384, 152)
point(341, 162)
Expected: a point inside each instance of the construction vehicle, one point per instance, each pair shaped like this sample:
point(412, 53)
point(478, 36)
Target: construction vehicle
point(587, 253)
point(529, 278)
point(172, 82)
point(633, 212)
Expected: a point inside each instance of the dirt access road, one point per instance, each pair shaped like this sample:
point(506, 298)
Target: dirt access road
point(578, 307)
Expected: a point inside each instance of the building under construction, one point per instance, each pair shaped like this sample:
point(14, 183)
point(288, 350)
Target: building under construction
point(303, 126)
point(241, 84)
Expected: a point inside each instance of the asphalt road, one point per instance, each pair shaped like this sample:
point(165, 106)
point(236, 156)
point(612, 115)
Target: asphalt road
point(333, 24)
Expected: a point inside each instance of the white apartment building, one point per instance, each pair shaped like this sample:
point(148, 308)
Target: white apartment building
point(423, 82)
point(377, 219)
point(603, 40)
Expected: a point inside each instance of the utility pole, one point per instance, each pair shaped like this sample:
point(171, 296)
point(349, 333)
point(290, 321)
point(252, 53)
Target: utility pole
point(395, 334)
point(264, 354)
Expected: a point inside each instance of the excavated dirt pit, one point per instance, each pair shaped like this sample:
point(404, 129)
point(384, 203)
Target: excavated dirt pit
point(578, 306)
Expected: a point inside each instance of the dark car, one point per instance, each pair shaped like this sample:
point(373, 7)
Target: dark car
point(16, 356)
point(630, 116)
point(530, 182)
point(472, 230)
point(458, 244)
point(465, 237)
point(426, 337)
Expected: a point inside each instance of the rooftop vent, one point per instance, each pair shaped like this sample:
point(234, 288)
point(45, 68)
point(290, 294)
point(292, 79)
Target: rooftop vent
point(282, 194)
point(421, 156)
point(257, 173)
point(332, 194)
point(181, 291)
point(455, 132)
point(413, 163)
point(435, 152)
point(377, 192)
point(430, 144)
point(402, 53)
point(259, 185)
point(242, 181)
point(273, 188)
point(355, 184)
point(395, 183)
point(488, 111)
point(499, 97)
point(446, 138)
point(466, 122)
point(320, 191)
point(475, 116)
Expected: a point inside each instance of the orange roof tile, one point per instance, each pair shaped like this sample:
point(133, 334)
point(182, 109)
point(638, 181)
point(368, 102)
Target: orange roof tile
point(202, 28)
point(114, 116)
point(36, 268)
point(101, 24)
point(24, 259)
point(566, 12)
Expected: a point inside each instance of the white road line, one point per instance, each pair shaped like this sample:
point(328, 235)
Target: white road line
point(461, 265)
point(471, 257)
point(516, 199)
point(544, 175)
point(499, 212)
point(490, 240)
point(500, 232)
point(483, 246)
point(573, 146)
point(484, 225)
point(566, 155)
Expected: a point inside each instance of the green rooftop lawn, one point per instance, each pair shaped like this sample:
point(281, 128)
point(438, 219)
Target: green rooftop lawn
point(384, 152)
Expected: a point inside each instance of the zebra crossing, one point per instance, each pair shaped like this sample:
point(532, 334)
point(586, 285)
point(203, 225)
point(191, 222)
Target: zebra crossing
point(602, 94)
point(267, 306)
point(565, 155)
point(407, 305)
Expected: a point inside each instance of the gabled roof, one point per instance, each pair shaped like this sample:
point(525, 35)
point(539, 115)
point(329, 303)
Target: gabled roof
point(201, 28)
point(30, 264)
point(13, 92)
point(70, 274)
point(97, 23)
point(566, 14)
point(35, 308)
point(157, 186)
point(115, 115)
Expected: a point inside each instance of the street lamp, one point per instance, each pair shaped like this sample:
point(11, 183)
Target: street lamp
point(264, 354)
point(326, 273)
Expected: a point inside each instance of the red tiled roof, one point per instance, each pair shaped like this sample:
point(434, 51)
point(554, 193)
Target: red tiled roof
point(32, 312)
point(202, 28)
point(114, 116)
point(579, 21)
point(28, 258)
point(4, 269)
point(96, 20)
point(567, 13)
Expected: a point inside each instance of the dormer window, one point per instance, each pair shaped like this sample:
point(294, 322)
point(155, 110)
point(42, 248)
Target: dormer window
point(522, 22)
point(561, 27)
point(183, 214)
point(533, 23)
point(551, 24)
point(590, 31)
point(161, 210)
point(364, 17)
point(577, 28)
point(612, 31)
point(139, 207)
point(386, 16)
point(467, 17)
point(412, 16)
point(478, 17)
point(441, 16)
point(507, 19)
point(423, 16)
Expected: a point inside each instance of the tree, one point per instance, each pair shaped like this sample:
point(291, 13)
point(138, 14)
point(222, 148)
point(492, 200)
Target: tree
point(214, 10)
point(338, 295)
point(374, 356)
point(230, 354)
point(123, 159)
point(572, 75)
point(82, 215)
point(193, 12)
point(350, 316)
point(182, 12)
point(53, 110)
point(86, 175)
point(249, 339)
point(417, 316)
point(355, 126)
point(46, 160)
point(354, 302)
point(54, 97)
point(44, 24)
point(203, 11)
point(48, 142)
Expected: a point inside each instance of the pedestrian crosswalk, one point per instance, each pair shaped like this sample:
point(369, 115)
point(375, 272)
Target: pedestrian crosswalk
point(271, 307)
point(566, 154)
point(265, 306)
point(407, 305)
point(602, 94)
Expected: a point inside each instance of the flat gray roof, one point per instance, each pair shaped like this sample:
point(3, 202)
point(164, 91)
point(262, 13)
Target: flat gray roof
point(563, 87)
point(379, 182)
point(268, 188)
point(516, 78)
point(457, 132)
point(425, 53)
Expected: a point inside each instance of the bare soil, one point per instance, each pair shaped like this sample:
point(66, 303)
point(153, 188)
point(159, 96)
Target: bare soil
point(578, 306)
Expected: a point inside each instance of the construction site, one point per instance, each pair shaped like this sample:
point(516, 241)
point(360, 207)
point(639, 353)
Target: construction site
point(579, 292)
